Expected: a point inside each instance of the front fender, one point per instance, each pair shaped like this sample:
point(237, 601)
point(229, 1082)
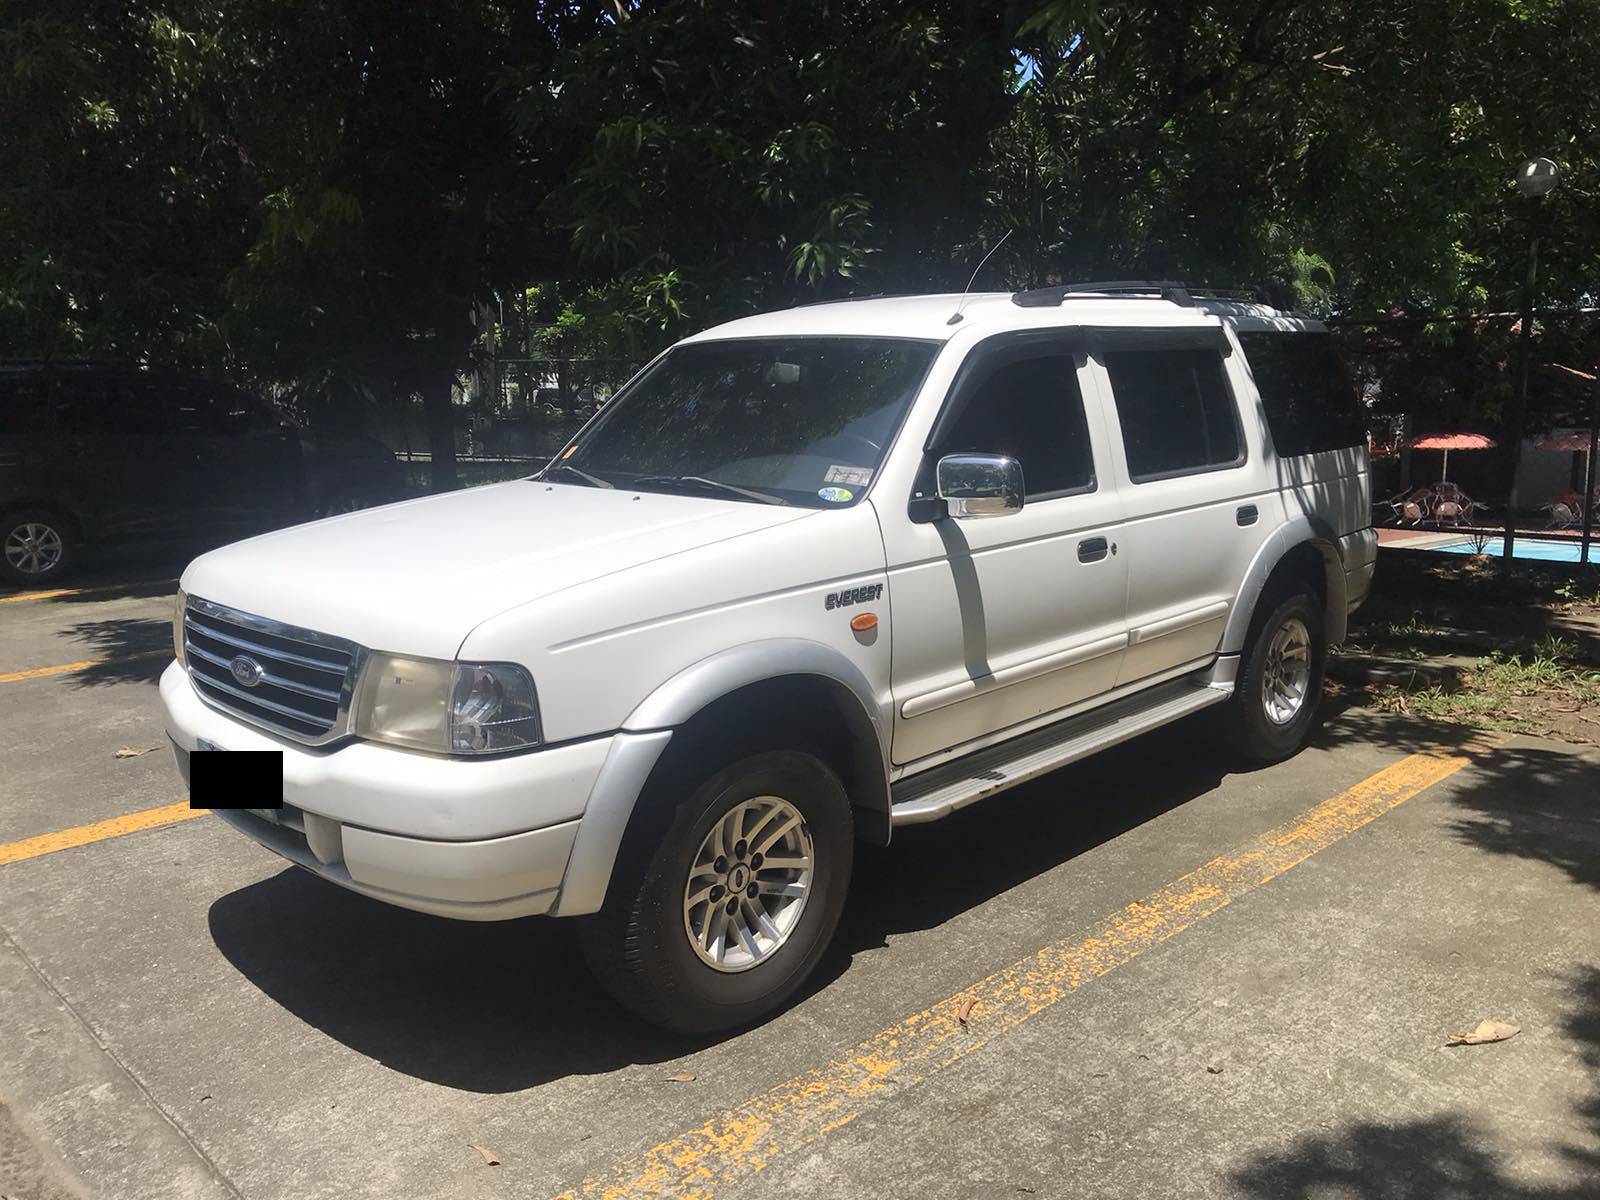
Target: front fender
point(696, 686)
point(647, 730)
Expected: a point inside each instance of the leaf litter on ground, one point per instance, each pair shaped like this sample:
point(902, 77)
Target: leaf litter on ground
point(1486, 1032)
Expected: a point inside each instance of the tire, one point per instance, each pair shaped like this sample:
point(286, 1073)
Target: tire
point(36, 547)
point(639, 946)
point(1268, 724)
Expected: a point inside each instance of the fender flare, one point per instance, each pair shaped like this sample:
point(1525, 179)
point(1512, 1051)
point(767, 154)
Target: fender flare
point(1301, 530)
point(646, 731)
point(696, 686)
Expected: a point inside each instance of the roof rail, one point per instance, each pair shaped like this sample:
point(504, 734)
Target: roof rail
point(1155, 289)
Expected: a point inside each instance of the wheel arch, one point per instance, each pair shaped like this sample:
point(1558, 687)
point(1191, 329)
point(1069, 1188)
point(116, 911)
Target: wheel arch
point(1304, 547)
point(733, 698)
point(73, 521)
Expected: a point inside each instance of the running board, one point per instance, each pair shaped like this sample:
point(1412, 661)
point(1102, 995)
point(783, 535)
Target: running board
point(940, 791)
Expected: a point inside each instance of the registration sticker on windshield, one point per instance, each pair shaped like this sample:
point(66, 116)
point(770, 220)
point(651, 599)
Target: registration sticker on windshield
point(856, 476)
point(836, 495)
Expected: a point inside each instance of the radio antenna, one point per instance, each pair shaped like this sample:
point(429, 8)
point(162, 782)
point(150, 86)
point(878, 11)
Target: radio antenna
point(957, 315)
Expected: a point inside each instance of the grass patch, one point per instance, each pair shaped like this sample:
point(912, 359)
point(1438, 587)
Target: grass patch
point(1544, 692)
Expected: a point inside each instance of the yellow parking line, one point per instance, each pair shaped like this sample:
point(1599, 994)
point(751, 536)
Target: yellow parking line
point(737, 1143)
point(83, 835)
point(64, 668)
point(19, 597)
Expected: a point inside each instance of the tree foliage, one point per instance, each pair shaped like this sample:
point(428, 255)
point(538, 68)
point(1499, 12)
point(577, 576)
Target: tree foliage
point(339, 192)
point(1360, 152)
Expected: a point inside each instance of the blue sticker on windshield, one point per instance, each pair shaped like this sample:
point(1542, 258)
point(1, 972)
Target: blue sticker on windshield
point(836, 495)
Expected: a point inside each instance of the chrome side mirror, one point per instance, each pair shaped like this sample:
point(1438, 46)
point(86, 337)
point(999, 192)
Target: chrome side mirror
point(980, 485)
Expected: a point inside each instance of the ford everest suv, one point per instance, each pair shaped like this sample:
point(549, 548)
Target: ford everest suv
point(810, 576)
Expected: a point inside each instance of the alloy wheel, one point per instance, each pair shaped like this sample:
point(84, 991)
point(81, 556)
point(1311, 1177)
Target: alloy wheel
point(34, 548)
point(1286, 672)
point(748, 884)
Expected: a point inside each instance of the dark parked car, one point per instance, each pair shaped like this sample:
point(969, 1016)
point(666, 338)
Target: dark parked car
point(97, 454)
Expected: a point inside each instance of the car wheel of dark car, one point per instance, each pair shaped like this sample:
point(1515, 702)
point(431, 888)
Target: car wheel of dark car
point(35, 546)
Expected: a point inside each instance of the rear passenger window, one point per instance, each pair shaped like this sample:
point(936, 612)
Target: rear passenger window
point(1176, 412)
point(1031, 409)
point(1309, 400)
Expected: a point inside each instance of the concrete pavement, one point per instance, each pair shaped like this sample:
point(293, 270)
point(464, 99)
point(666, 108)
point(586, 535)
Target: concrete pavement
point(182, 1015)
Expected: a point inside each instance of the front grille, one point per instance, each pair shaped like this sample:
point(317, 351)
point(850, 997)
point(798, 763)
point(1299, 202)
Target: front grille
point(293, 681)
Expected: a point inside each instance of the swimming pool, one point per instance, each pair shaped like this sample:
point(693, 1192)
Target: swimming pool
point(1542, 549)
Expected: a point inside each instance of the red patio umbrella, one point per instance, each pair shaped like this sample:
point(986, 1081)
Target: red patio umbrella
point(1452, 441)
point(1575, 441)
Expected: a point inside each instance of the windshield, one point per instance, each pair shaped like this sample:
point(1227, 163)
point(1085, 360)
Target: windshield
point(800, 421)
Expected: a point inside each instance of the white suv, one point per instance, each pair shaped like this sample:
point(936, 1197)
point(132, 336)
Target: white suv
point(810, 576)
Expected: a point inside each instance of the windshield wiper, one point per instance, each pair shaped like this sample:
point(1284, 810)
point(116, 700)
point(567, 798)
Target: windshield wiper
point(709, 485)
point(591, 480)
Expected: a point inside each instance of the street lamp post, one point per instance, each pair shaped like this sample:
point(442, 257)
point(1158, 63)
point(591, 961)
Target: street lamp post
point(1535, 179)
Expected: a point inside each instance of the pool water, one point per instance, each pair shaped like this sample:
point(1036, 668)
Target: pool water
point(1526, 547)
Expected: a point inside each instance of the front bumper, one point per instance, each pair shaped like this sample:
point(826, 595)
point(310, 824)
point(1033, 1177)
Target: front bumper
point(481, 840)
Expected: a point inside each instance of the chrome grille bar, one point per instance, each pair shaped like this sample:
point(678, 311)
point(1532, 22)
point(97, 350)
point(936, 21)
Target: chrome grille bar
point(285, 655)
point(292, 681)
point(305, 689)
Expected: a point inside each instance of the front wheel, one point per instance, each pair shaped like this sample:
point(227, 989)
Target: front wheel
point(722, 919)
point(1279, 691)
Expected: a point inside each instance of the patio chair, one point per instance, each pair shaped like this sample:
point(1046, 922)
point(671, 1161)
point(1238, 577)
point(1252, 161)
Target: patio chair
point(1566, 510)
point(1408, 507)
point(1451, 505)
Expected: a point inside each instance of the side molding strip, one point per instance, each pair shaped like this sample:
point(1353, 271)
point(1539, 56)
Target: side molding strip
point(943, 697)
point(1183, 620)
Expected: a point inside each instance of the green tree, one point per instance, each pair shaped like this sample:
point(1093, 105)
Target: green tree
point(119, 217)
point(1358, 152)
point(337, 193)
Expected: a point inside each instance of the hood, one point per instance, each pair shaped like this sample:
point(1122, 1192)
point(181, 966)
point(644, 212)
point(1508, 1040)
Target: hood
point(417, 577)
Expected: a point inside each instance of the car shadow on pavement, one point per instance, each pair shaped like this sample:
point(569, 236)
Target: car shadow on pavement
point(484, 1007)
point(935, 872)
point(499, 1007)
point(116, 573)
point(128, 650)
point(137, 589)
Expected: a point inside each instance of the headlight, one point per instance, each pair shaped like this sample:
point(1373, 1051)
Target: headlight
point(179, 603)
point(447, 707)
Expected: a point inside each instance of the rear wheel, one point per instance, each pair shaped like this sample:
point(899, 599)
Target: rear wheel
point(35, 547)
point(721, 919)
point(1279, 690)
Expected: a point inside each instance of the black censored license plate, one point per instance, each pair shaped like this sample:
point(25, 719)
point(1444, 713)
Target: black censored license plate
point(251, 780)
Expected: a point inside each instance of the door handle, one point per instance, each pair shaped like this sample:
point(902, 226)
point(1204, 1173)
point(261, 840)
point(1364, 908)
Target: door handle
point(1093, 549)
point(1247, 514)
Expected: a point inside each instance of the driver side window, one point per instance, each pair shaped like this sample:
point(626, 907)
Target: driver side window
point(1030, 408)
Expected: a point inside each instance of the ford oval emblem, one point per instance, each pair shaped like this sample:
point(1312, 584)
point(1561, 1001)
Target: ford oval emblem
point(246, 670)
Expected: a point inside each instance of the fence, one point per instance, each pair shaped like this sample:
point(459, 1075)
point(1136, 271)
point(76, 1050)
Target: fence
point(1461, 375)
